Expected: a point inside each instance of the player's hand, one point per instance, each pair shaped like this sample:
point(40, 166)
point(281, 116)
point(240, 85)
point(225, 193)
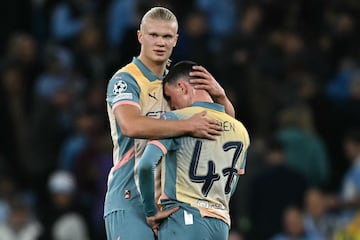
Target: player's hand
point(203, 127)
point(202, 79)
point(155, 221)
point(205, 81)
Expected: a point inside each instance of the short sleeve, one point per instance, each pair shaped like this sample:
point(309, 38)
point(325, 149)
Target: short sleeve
point(122, 88)
point(169, 116)
point(167, 144)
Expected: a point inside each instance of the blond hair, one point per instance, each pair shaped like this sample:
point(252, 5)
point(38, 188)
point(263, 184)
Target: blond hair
point(159, 13)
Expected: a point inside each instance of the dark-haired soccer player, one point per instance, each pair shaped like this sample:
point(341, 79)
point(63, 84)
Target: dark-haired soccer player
point(198, 175)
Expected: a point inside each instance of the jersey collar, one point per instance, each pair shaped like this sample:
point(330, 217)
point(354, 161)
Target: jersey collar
point(210, 105)
point(147, 73)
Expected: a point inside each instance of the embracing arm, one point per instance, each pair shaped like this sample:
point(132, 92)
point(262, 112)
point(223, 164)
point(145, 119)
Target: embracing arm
point(147, 164)
point(204, 80)
point(133, 124)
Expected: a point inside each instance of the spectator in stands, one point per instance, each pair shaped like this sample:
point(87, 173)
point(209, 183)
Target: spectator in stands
point(293, 226)
point(20, 224)
point(267, 199)
point(349, 200)
point(69, 17)
point(305, 150)
point(318, 221)
point(62, 219)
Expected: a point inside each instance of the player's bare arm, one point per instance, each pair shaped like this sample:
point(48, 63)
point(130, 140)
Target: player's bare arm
point(204, 80)
point(134, 125)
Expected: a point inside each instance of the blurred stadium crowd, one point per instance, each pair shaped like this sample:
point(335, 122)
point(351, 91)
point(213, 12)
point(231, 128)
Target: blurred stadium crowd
point(290, 67)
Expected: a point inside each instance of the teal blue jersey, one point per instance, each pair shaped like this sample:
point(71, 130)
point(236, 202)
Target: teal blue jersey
point(200, 172)
point(134, 85)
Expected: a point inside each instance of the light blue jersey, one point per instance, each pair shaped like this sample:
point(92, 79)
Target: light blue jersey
point(133, 85)
point(198, 172)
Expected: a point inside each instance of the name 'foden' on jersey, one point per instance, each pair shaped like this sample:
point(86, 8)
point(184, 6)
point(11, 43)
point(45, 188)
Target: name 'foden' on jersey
point(227, 126)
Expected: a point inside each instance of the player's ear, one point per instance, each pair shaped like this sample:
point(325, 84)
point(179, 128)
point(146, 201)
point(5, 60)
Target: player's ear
point(176, 39)
point(139, 36)
point(183, 87)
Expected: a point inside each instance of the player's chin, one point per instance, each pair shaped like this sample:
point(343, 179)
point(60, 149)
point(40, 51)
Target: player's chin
point(160, 59)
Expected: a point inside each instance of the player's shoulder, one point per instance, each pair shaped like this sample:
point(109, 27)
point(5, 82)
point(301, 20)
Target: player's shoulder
point(244, 131)
point(169, 116)
point(185, 112)
point(124, 74)
point(236, 124)
point(122, 77)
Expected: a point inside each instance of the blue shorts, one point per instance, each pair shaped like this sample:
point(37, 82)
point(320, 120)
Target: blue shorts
point(187, 223)
point(127, 225)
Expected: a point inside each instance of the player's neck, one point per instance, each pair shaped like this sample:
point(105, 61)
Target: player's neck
point(156, 68)
point(202, 96)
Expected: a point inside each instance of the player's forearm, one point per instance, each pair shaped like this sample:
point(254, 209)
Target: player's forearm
point(229, 108)
point(146, 173)
point(150, 128)
point(146, 182)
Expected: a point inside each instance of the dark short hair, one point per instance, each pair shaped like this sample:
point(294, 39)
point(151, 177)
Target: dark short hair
point(181, 69)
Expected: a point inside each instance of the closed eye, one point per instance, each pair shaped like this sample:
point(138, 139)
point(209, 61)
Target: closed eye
point(167, 98)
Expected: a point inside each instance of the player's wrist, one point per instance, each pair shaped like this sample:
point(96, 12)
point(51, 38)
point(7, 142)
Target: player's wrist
point(150, 210)
point(186, 126)
point(151, 214)
point(220, 98)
